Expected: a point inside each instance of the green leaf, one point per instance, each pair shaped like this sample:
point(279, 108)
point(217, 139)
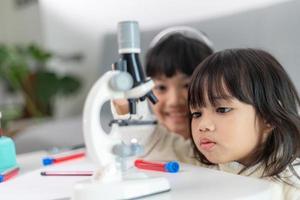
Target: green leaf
point(69, 85)
point(38, 53)
point(47, 86)
point(23, 68)
point(13, 67)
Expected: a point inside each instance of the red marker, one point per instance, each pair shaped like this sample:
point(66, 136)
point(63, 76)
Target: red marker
point(69, 157)
point(64, 157)
point(67, 173)
point(171, 167)
point(7, 174)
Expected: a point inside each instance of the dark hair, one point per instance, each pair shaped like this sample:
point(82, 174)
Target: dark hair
point(254, 77)
point(176, 53)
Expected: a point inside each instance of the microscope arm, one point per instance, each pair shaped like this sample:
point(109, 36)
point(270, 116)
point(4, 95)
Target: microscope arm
point(98, 142)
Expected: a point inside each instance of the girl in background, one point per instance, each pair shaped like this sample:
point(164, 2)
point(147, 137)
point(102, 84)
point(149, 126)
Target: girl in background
point(173, 55)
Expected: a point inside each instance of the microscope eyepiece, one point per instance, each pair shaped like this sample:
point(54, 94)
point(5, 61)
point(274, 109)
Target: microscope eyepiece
point(129, 37)
point(129, 49)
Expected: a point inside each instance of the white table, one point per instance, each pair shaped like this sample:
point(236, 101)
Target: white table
point(190, 183)
point(30, 161)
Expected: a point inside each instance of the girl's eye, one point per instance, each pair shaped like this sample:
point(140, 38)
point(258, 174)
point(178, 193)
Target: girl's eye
point(223, 110)
point(186, 86)
point(196, 115)
point(160, 88)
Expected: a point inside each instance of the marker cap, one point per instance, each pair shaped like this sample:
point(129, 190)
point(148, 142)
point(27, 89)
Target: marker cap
point(47, 161)
point(172, 167)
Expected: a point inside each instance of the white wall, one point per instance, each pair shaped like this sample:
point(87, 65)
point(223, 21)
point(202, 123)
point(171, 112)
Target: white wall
point(2, 21)
point(19, 24)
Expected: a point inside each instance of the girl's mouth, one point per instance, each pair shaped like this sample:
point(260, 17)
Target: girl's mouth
point(206, 144)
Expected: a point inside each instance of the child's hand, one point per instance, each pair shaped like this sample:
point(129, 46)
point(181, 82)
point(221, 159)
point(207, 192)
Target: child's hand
point(121, 106)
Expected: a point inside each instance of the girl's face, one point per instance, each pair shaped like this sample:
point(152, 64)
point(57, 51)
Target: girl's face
point(171, 108)
point(229, 131)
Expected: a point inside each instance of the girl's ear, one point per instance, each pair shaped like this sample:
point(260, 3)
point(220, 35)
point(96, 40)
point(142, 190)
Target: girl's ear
point(268, 127)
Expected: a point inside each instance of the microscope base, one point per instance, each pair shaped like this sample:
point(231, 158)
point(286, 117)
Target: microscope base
point(125, 189)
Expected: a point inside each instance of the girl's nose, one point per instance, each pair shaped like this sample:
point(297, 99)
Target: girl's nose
point(176, 97)
point(206, 124)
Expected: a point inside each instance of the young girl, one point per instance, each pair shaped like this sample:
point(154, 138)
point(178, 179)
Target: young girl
point(173, 55)
point(244, 117)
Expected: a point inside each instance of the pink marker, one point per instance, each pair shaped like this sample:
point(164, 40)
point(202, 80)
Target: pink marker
point(67, 173)
point(49, 160)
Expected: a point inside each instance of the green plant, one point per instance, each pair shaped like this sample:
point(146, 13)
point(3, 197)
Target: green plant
point(24, 69)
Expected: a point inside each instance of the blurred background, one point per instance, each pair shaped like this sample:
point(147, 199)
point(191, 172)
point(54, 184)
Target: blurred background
point(51, 52)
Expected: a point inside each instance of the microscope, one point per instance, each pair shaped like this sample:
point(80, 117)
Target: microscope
point(115, 177)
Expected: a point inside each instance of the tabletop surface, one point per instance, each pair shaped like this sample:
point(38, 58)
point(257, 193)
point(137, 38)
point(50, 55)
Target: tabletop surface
point(190, 183)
